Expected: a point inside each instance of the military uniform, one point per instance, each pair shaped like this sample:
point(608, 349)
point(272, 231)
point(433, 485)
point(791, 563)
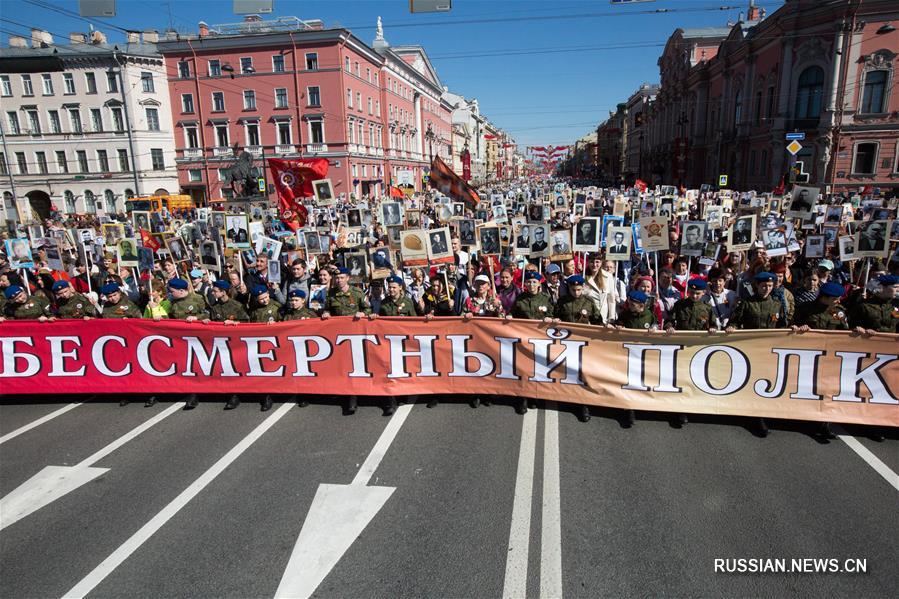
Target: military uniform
point(534, 306)
point(346, 303)
point(192, 305)
point(228, 310)
point(688, 315)
point(124, 309)
point(571, 309)
point(877, 314)
point(400, 307)
point(76, 306)
point(641, 320)
point(819, 316)
point(33, 308)
point(268, 313)
point(758, 313)
point(298, 314)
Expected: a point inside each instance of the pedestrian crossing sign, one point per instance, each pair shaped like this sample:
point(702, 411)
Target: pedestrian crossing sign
point(722, 181)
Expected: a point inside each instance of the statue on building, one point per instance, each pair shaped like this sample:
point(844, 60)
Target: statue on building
point(242, 176)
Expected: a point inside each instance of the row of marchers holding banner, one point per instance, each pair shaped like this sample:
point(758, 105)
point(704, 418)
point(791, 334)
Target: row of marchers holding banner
point(817, 376)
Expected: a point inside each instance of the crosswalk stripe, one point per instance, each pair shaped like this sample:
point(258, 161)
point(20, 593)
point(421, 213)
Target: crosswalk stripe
point(516, 578)
point(551, 520)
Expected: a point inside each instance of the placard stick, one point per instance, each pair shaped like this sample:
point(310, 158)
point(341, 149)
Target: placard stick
point(25, 278)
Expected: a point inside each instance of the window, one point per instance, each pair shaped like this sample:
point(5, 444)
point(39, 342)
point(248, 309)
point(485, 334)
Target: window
point(346, 64)
point(246, 65)
point(312, 61)
point(738, 107)
point(4, 169)
point(221, 174)
point(90, 83)
point(278, 63)
point(371, 135)
point(97, 119)
point(152, 119)
point(70, 201)
point(75, 118)
point(123, 161)
point(118, 122)
point(221, 136)
point(187, 103)
point(194, 175)
point(355, 171)
point(280, 97)
point(190, 137)
point(809, 92)
point(752, 158)
point(284, 135)
point(764, 168)
point(109, 199)
point(316, 132)
point(62, 164)
point(215, 68)
point(90, 202)
point(156, 158)
point(371, 106)
point(68, 81)
point(359, 101)
point(378, 107)
point(41, 162)
point(22, 163)
point(376, 78)
point(314, 96)
point(253, 134)
point(218, 101)
point(34, 123)
point(27, 89)
point(112, 81)
point(82, 161)
point(349, 98)
point(758, 108)
point(356, 68)
point(183, 69)
point(368, 75)
point(47, 84)
point(146, 82)
point(865, 161)
point(103, 161)
point(249, 99)
point(874, 96)
point(5, 86)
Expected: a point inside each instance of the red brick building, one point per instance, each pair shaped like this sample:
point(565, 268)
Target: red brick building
point(728, 96)
point(290, 88)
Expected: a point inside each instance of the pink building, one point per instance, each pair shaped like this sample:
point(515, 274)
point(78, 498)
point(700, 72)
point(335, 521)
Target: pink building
point(729, 96)
point(289, 89)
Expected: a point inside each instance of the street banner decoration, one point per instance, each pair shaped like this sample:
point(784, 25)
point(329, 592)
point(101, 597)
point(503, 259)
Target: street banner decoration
point(293, 182)
point(449, 183)
point(819, 376)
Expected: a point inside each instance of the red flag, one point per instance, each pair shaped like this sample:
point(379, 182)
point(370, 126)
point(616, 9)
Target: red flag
point(149, 241)
point(446, 181)
point(293, 182)
point(640, 185)
point(396, 192)
point(779, 190)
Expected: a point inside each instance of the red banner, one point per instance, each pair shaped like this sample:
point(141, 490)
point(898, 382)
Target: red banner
point(449, 183)
point(823, 376)
point(293, 182)
point(466, 165)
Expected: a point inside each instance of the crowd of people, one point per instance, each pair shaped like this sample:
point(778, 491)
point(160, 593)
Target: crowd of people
point(659, 261)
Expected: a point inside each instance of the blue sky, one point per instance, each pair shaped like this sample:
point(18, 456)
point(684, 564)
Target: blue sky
point(548, 72)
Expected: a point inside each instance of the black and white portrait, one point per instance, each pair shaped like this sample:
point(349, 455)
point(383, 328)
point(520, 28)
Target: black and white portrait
point(354, 218)
point(489, 240)
point(871, 239)
point(467, 233)
point(586, 235)
point(775, 241)
point(323, 191)
point(392, 214)
point(802, 202)
point(693, 239)
point(539, 240)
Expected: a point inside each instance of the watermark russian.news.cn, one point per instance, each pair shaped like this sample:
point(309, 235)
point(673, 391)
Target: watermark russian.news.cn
point(802, 565)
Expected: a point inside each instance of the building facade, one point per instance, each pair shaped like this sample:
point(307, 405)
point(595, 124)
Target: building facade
point(611, 151)
point(85, 124)
point(635, 137)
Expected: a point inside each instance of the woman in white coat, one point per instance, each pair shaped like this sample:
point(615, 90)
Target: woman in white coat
point(601, 288)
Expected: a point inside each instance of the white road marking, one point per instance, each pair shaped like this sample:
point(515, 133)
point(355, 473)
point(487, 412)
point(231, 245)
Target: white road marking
point(115, 559)
point(551, 520)
point(336, 518)
point(38, 422)
point(872, 460)
point(53, 482)
point(516, 578)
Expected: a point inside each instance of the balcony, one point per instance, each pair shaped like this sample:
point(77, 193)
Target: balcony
point(222, 151)
point(352, 148)
point(379, 151)
point(285, 149)
point(316, 148)
point(254, 150)
point(193, 152)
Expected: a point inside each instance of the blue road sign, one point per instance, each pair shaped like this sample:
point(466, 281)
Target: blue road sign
point(796, 136)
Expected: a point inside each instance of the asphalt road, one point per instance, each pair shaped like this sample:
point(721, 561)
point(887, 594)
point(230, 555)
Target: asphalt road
point(477, 509)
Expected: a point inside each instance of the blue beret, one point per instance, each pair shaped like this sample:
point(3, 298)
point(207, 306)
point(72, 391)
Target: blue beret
point(532, 274)
point(60, 285)
point(697, 284)
point(258, 290)
point(764, 277)
point(832, 289)
point(343, 271)
point(638, 296)
point(178, 284)
point(12, 291)
point(109, 288)
point(222, 284)
point(888, 280)
point(575, 280)
point(395, 279)
point(296, 293)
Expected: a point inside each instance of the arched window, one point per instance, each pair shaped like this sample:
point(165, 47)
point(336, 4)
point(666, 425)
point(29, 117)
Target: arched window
point(90, 203)
point(109, 200)
point(874, 94)
point(8, 202)
point(69, 198)
point(809, 93)
point(738, 107)
point(129, 193)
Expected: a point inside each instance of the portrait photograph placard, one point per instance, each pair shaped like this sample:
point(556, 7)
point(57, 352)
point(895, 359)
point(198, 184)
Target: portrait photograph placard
point(654, 233)
point(618, 244)
point(586, 235)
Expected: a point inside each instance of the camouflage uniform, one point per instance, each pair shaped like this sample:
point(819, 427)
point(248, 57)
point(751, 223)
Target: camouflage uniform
point(758, 313)
point(877, 314)
point(76, 306)
point(192, 305)
point(400, 307)
point(124, 309)
point(33, 308)
point(581, 309)
point(687, 315)
point(267, 313)
point(230, 309)
point(819, 316)
point(642, 320)
point(346, 303)
point(299, 314)
point(528, 306)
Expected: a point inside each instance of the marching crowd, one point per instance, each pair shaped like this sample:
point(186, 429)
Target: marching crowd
point(746, 289)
